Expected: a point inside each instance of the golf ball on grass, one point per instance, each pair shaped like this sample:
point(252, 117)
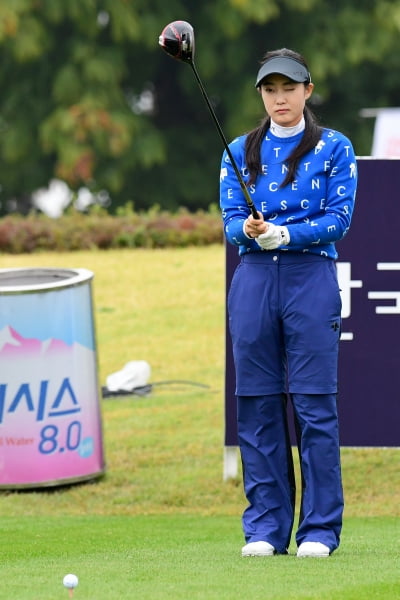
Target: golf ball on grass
point(70, 581)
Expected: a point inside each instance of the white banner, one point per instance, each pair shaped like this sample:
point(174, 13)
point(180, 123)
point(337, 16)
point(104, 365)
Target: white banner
point(386, 141)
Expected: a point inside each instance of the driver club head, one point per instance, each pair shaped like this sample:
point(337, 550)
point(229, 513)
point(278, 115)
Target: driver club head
point(177, 39)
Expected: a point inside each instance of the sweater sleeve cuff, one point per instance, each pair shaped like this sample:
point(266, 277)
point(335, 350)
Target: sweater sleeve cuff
point(244, 230)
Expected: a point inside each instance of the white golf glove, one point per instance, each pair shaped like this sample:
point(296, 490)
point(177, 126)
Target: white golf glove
point(275, 237)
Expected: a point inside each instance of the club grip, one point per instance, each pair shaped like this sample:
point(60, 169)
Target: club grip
point(249, 201)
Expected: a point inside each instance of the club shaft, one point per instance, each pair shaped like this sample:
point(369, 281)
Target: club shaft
point(244, 189)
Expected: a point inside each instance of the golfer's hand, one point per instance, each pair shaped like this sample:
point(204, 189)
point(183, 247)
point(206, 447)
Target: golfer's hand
point(274, 237)
point(254, 227)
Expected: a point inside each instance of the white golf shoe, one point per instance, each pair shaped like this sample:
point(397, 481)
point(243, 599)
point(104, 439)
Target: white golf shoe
point(258, 549)
point(313, 549)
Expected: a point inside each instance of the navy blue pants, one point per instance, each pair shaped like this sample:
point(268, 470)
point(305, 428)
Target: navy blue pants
point(284, 315)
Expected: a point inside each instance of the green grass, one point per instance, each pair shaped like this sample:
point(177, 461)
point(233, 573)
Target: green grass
point(184, 557)
point(162, 523)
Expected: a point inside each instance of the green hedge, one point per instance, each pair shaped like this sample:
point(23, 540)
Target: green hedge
point(99, 230)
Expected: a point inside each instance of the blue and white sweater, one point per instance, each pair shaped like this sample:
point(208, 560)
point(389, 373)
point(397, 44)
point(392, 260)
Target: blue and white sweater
point(316, 207)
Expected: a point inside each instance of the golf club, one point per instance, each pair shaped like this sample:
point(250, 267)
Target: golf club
point(177, 39)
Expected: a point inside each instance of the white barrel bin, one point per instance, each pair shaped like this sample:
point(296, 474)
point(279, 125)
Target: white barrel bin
point(50, 416)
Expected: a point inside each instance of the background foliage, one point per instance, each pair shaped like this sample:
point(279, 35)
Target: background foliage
point(99, 230)
point(89, 97)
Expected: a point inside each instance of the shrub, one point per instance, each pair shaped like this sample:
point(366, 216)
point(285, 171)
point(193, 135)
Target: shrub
point(99, 230)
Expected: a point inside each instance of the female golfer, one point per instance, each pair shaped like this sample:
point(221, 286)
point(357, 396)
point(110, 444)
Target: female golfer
point(284, 310)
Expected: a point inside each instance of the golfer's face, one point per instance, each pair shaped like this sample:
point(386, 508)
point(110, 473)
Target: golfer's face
point(284, 99)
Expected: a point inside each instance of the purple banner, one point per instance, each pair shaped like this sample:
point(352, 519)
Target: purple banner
point(369, 277)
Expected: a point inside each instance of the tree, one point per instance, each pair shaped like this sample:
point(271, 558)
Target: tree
point(90, 98)
point(69, 104)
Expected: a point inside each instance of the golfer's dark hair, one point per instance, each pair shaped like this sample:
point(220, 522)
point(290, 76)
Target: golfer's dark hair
point(310, 139)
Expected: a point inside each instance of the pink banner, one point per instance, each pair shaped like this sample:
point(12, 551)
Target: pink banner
point(50, 420)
